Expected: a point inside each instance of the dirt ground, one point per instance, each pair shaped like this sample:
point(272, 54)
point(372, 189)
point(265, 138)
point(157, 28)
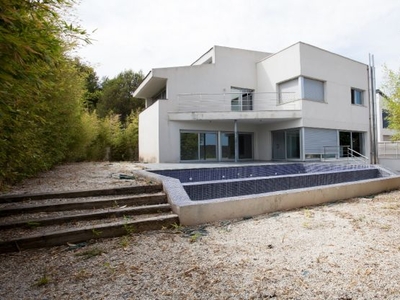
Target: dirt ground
point(344, 250)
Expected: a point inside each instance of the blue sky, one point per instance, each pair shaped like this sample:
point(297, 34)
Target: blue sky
point(145, 34)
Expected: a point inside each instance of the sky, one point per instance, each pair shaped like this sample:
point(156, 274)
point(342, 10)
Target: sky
point(140, 35)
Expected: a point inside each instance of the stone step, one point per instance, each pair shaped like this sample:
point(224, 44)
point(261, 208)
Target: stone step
point(85, 216)
point(132, 190)
point(85, 233)
point(144, 199)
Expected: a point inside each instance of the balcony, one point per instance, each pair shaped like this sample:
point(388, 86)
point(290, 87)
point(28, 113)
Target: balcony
point(237, 106)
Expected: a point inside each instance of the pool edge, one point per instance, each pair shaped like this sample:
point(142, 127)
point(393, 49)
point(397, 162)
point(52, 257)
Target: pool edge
point(206, 211)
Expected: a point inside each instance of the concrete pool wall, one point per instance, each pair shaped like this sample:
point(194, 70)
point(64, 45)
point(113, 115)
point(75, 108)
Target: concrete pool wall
point(203, 211)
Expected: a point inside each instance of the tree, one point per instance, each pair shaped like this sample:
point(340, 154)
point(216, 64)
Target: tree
point(40, 90)
point(92, 85)
point(117, 95)
point(391, 88)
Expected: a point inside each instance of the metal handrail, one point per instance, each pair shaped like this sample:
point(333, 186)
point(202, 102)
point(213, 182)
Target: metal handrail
point(357, 155)
point(225, 102)
point(336, 151)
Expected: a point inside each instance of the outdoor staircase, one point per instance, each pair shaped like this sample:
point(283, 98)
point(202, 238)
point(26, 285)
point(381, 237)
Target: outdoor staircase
point(68, 218)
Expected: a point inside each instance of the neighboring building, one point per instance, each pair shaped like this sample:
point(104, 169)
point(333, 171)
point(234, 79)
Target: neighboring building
point(301, 103)
point(384, 133)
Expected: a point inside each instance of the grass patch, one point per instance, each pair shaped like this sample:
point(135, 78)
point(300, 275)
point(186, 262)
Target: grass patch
point(42, 281)
point(90, 253)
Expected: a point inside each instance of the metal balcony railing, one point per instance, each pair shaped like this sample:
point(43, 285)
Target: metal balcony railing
point(389, 150)
point(237, 102)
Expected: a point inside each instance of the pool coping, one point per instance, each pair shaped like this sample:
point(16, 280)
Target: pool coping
point(206, 211)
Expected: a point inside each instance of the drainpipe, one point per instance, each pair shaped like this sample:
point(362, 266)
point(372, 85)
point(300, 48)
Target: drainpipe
point(236, 142)
point(373, 109)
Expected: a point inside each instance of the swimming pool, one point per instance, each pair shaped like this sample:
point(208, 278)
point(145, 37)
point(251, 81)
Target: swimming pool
point(223, 182)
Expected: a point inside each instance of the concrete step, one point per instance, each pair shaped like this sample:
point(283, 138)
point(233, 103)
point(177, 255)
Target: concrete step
point(144, 199)
point(34, 221)
point(132, 190)
point(85, 233)
point(86, 216)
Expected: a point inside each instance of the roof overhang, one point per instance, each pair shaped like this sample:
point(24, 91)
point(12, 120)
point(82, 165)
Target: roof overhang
point(150, 86)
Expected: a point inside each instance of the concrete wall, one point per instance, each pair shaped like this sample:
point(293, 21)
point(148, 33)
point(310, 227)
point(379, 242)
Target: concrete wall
point(277, 68)
point(392, 164)
point(200, 212)
point(149, 134)
point(228, 71)
point(262, 72)
point(340, 74)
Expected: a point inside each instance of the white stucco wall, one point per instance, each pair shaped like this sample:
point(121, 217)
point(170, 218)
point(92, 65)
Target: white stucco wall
point(160, 135)
point(149, 134)
point(279, 67)
point(232, 68)
point(340, 74)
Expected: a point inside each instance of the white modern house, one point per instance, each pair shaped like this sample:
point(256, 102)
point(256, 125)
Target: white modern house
point(301, 103)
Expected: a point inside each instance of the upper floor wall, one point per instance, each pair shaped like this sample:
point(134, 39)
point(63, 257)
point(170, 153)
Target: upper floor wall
point(300, 77)
point(216, 72)
point(333, 88)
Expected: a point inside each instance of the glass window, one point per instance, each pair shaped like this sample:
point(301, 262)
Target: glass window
point(313, 90)
point(385, 118)
point(204, 145)
point(189, 146)
point(245, 144)
point(286, 144)
point(357, 97)
point(293, 144)
point(198, 145)
point(351, 139)
point(208, 145)
point(227, 146)
point(241, 99)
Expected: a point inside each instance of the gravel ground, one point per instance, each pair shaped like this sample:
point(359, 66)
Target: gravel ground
point(347, 250)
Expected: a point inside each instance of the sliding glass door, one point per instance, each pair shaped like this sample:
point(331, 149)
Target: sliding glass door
point(286, 144)
point(353, 140)
point(198, 146)
point(205, 146)
point(293, 144)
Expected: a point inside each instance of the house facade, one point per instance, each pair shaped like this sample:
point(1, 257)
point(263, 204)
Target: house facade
point(301, 103)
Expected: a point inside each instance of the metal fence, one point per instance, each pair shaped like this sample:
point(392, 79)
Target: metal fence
point(389, 150)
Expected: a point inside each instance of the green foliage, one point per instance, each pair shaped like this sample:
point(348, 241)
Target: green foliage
point(93, 90)
point(91, 253)
point(48, 100)
point(117, 95)
point(40, 89)
point(42, 281)
point(391, 88)
point(106, 138)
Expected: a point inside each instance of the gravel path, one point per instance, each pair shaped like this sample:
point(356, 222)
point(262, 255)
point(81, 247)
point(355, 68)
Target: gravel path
point(347, 250)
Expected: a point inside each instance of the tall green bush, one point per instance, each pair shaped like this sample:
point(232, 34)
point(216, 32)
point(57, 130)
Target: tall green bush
point(106, 138)
point(40, 90)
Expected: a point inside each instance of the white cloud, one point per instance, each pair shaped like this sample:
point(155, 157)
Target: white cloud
point(140, 35)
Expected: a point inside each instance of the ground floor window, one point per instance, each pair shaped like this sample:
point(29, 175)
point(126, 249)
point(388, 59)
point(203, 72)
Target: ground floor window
point(351, 139)
point(215, 145)
point(198, 145)
point(286, 144)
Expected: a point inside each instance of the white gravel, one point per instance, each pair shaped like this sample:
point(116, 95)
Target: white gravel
point(347, 250)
